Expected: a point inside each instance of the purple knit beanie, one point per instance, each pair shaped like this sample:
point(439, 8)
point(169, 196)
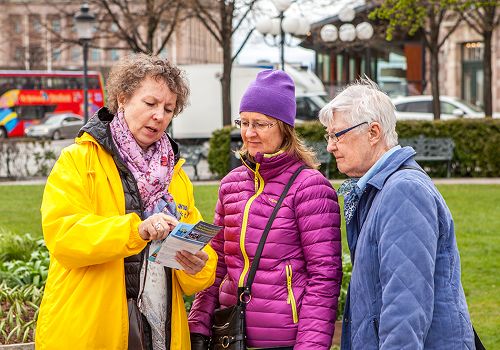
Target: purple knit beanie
point(272, 93)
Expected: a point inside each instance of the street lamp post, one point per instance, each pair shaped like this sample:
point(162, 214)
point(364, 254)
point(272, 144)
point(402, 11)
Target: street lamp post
point(282, 25)
point(84, 22)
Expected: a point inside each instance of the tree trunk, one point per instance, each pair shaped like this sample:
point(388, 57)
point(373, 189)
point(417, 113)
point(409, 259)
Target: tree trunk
point(226, 86)
point(487, 94)
point(226, 12)
point(436, 106)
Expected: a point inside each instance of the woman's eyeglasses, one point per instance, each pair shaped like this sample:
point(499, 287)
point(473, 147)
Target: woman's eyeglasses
point(257, 126)
point(334, 136)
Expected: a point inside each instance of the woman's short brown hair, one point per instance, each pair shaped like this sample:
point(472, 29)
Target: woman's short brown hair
point(129, 73)
point(293, 145)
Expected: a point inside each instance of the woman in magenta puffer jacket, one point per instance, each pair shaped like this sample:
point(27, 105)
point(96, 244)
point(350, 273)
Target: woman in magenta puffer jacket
point(297, 284)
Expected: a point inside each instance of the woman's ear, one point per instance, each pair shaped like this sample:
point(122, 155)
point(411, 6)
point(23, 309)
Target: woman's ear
point(121, 101)
point(375, 133)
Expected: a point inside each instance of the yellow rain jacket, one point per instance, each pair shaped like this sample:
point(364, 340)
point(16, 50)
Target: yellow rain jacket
point(88, 235)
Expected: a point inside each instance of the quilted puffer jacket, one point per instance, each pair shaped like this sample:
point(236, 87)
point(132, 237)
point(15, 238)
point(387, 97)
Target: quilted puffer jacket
point(295, 291)
point(405, 290)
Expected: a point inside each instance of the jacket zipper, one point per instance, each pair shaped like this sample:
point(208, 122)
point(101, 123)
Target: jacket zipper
point(259, 187)
point(291, 297)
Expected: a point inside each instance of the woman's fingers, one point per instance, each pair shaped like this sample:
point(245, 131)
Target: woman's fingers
point(192, 263)
point(157, 226)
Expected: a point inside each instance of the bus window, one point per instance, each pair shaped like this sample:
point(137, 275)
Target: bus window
point(94, 83)
point(33, 112)
point(6, 84)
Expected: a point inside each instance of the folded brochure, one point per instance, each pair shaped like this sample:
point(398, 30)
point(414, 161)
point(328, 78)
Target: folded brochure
point(189, 237)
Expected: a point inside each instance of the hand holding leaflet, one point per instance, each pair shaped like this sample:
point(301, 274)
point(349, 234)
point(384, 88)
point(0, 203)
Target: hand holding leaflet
point(188, 237)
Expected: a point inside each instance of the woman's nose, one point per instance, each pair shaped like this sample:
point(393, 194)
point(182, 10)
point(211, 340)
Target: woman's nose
point(159, 114)
point(331, 146)
point(250, 131)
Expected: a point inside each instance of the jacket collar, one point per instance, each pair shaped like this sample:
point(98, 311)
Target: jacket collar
point(272, 165)
point(98, 128)
point(393, 163)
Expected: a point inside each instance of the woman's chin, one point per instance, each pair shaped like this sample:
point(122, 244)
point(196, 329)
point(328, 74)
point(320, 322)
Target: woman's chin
point(145, 142)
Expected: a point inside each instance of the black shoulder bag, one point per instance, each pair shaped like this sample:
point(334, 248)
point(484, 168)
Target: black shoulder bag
point(228, 330)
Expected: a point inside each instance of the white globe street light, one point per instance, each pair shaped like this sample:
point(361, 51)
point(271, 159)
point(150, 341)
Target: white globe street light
point(281, 25)
point(347, 32)
point(282, 5)
point(347, 14)
point(364, 31)
point(329, 33)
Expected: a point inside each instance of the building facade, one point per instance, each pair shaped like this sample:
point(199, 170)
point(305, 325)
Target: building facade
point(31, 39)
point(402, 66)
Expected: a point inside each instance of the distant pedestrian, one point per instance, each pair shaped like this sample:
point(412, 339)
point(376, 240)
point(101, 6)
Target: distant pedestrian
point(405, 290)
point(294, 297)
point(109, 200)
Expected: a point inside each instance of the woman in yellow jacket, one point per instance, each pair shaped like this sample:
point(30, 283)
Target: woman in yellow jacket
point(111, 196)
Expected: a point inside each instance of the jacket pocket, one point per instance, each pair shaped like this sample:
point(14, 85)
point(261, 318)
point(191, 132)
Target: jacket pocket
point(224, 280)
point(291, 297)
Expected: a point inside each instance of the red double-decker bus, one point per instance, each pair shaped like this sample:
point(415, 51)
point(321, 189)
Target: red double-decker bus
point(26, 96)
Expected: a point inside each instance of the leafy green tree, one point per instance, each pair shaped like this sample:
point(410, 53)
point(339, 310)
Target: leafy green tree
point(483, 17)
point(426, 16)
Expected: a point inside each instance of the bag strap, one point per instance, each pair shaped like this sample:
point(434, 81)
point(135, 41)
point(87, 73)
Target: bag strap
point(410, 167)
point(477, 341)
point(260, 248)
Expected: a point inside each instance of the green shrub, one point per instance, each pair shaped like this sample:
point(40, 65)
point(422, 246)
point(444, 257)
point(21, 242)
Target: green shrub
point(16, 247)
point(476, 144)
point(219, 152)
point(24, 262)
point(18, 312)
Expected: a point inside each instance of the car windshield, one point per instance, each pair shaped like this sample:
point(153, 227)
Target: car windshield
point(319, 100)
point(471, 106)
point(53, 119)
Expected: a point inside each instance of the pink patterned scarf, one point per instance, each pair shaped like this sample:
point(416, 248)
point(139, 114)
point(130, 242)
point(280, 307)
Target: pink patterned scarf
point(152, 168)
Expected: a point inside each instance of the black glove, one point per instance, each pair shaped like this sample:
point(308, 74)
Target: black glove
point(199, 341)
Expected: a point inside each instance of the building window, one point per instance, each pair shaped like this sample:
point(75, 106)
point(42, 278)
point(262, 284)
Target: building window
point(36, 24)
point(56, 55)
point(56, 25)
point(95, 55)
point(473, 51)
point(115, 56)
point(163, 52)
point(17, 25)
point(19, 54)
point(75, 53)
point(473, 73)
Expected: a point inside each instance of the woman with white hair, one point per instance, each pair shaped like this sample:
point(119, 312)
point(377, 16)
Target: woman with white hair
point(405, 290)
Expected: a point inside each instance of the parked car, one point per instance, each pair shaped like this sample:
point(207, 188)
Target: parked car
point(420, 107)
point(56, 126)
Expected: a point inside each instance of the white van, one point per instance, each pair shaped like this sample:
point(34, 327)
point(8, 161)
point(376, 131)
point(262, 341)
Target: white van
point(203, 115)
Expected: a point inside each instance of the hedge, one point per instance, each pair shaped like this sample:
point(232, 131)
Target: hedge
point(476, 144)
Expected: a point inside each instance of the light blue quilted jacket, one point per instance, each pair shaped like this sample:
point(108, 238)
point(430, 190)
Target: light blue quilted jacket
point(405, 290)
